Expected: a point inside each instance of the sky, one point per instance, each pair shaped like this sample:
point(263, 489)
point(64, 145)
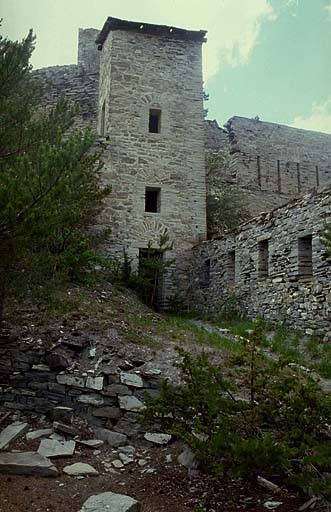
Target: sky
point(266, 58)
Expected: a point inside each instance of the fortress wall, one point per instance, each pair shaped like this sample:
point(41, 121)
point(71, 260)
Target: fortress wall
point(276, 266)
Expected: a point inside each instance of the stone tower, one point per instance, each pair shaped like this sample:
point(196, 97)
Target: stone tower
point(151, 115)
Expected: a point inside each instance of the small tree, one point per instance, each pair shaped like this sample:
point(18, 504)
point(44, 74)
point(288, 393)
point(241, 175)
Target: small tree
point(226, 207)
point(326, 239)
point(152, 269)
point(49, 187)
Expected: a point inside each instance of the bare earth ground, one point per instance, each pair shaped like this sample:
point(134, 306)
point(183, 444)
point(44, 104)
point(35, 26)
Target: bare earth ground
point(114, 317)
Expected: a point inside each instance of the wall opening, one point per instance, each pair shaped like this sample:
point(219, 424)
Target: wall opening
point(305, 256)
point(103, 120)
point(154, 121)
point(263, 260)
point(204, 276)
point(231, 267)
point(152, 199)
point(149, 271)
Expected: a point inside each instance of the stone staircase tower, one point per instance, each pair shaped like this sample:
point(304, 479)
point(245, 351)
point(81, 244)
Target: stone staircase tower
point(151, 114)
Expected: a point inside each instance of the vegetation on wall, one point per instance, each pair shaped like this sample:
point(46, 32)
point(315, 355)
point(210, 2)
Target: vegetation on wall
point(49, 187)
point(226, 208)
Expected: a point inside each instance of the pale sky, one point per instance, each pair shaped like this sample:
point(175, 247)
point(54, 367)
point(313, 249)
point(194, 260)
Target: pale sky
point(270, 58)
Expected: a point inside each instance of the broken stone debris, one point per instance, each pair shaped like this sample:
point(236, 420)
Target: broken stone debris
point(131, 403)
point(80, 469)
point(11, 433)
point(188, 459)
point(157, 438)
point(36, 434)
point(263, 482)
point(112, 502)
point(52, 448)
point(110, 437)
point(131, 379)
point(28, 463)
point(91, 443)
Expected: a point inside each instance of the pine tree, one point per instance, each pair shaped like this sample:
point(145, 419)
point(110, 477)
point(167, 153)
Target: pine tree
point(49, 187)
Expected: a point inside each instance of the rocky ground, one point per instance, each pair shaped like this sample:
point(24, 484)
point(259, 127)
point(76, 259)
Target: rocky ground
point(113, 322)
point(148, 472)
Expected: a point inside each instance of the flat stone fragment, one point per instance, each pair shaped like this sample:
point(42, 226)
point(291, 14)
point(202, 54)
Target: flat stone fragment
point(28, 463)
point(157, 438)
point(131, 379)
point(110, 437)
point(131, 403)
point(36, 434)
point(95, 383)
point(11, 433)
point(113, 413)
point(41, 368)
point(112, 502)
point(71, 380)
point(91, 399)
point(80, 469)
point(52, 448)
point(91, 443)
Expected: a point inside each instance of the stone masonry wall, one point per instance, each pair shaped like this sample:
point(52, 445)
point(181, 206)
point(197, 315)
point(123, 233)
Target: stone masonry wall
point(109, 392)
point(274, 162)
point(142, 71)
point(78, 83)
point(275, 267)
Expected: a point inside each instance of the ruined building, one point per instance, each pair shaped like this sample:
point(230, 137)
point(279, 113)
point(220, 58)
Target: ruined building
point(140, 87)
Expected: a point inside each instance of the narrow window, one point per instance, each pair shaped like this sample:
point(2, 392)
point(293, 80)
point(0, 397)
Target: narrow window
point(263, 262)
point(152, 200)
point(305, 256)
point(231, 267)
point(279, 178)
point(204, 278)
point(103, 120)
point(317, 176)
point(154, 121)
point(258, 162)
point(298, 177)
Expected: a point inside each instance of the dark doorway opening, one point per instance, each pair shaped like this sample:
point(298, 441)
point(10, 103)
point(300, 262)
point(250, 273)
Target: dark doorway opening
point(150, 276)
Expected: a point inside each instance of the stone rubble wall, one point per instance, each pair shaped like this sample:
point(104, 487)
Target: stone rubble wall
point(275, 163)
point(110, 397)
point(301, 301)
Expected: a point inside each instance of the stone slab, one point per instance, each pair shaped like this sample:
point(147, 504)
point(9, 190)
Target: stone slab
point(27, 463)
point(95, 383)
point(112, 502)
point(80, 469)
point(157, 438)
point(36, 434)
point(110, 437)
point(11, 433)
point(131, 379)
point(52, 448)
point(131, 403)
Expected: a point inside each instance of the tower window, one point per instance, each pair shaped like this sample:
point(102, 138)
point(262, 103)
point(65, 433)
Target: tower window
point(305, 256)
point(152, 200)
point(103, 120)
point(231, 267)
point(204, 277)
point(154, 121)
point(263, 262)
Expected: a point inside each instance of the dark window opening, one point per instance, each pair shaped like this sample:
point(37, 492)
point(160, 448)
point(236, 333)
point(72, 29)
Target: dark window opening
point(154, 121)
point(305, 256)
point(103, 120)
point(152, 200)
point(150, 275)
point(231, 267)
point(204, 277)
point(263, 261)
